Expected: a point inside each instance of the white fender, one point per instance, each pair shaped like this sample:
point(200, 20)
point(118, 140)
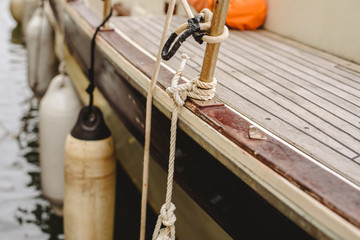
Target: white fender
point(90, 178)
point(28, 10)
point(16, 10)
point(41, 54)
point(59, 109)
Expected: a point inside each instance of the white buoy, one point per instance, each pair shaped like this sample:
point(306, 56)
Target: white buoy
point(90, 178)
point(59, 109)
point(28, 10)
point(16, 9)
point(41, 54)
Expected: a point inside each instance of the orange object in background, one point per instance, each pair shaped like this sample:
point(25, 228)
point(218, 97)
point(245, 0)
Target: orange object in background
point(242, 14)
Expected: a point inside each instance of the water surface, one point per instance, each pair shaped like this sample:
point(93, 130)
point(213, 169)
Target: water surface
point(24, 213)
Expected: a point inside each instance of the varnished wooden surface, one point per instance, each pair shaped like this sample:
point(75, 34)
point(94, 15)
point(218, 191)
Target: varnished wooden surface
point(301, 95)
point(312, 179)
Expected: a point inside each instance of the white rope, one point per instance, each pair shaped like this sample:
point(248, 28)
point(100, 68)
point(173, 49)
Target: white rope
point(62, 65)
point(194, 89)
point(187, 8)
point(154, 77)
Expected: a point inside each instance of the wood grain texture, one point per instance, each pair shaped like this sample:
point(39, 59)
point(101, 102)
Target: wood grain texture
point(252, 90)
point(290, 169)
point(298, 95)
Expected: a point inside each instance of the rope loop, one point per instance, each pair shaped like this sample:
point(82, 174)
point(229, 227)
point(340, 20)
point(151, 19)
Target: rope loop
point(195, 88)
point(199, 27)
point(192, 27)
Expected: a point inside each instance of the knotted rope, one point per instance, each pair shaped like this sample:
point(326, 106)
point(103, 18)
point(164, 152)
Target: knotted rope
point(149, 98)
point(195, 89)
point(198, 27)
point(179, 93)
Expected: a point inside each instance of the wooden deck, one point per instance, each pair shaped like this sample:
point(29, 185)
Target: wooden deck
point(298, 93)
point(306, 97)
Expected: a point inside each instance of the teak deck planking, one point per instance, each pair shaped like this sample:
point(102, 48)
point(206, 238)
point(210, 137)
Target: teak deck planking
point(284, 89)
point(268, 106)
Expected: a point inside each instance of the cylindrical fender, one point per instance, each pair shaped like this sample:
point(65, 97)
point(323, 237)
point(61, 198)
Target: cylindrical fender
point(28, 10)
point(58, 112)
point(41, 54)
point(16, 9)
point(90, 178)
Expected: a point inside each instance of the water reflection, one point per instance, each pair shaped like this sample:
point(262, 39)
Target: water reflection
point(24, 213)
point(41, 215)
point(16, 36)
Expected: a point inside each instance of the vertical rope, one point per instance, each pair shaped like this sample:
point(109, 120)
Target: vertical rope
point(187, 8)
point(62, 65)
point(148, 121)
point(90, 89)
point(167, 216)
point(38, 46)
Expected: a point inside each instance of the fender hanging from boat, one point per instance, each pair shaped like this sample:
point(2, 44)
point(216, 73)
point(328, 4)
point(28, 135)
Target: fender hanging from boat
point(41, 54)
point(28, 9)
point(90, 170)
point(90, 178)
point(16, 9)
point(58, 113)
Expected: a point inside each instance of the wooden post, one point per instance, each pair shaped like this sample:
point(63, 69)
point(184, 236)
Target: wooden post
point(107, 7)
point(212, 49)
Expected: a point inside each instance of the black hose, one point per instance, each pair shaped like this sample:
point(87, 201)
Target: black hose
point(194, 30)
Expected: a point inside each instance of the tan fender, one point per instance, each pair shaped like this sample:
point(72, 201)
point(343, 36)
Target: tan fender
point(90, 179)
point(16, 10)
point(28, 10)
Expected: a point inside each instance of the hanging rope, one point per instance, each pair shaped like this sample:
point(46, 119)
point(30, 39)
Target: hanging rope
point(38, 44)
point(90, 89)
point(195, 89)
point(62, 65)
point(145, 182)
point(187, 8)
point(167, 216)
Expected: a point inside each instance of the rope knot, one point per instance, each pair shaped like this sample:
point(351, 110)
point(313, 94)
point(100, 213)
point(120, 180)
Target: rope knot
point(167, 218)
point(195, 88)
point(167, 215)
point(90, 89)
point(202, 90)
point(199, 27)
point(179, 93)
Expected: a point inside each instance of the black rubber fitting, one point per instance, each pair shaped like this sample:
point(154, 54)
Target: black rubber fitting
point(90, 125)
